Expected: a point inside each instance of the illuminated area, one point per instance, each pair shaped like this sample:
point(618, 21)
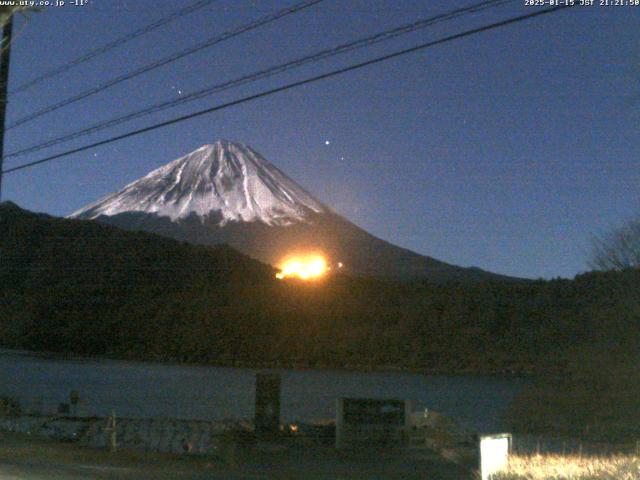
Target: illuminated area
point(494, 454)
point(309, 267)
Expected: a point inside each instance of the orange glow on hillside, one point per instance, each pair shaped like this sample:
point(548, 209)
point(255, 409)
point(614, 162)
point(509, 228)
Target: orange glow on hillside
point(310, 267)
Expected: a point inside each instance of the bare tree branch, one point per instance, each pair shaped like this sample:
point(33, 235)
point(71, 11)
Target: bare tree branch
point(618, 249)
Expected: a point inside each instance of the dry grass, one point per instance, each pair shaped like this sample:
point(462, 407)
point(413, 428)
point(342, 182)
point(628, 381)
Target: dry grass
point(572, 467)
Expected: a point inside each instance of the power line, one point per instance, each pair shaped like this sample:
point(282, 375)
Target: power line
point(164, 61)
point(14, 37)
point(299, 83)
point(268, 72)
point(111, 45)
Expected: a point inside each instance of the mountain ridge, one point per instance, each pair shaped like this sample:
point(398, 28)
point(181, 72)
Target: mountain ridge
point(226, 192)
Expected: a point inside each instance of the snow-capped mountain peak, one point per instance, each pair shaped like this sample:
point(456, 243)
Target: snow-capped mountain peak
point(227, 178)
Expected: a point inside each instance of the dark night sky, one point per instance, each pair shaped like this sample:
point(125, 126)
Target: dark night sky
point(506, 150)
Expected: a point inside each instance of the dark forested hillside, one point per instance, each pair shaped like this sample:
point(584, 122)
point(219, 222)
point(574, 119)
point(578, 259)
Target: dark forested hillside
point(84, 288)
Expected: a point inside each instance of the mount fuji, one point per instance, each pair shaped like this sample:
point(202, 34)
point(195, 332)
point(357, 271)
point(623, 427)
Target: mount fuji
point(226, 192)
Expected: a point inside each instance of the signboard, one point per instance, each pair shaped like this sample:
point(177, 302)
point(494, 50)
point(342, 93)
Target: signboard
point(370, 422)
point(267, 409)
point(494, 454)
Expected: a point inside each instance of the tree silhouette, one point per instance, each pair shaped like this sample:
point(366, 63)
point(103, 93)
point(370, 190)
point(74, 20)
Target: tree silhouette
point(619, 249)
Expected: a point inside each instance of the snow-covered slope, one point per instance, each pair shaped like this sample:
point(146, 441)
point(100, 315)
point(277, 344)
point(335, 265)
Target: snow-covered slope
point(226, 178)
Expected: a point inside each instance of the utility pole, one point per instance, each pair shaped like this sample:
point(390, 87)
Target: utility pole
point(4, 82)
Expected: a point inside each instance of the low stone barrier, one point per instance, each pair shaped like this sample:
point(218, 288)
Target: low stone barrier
point(158, 435)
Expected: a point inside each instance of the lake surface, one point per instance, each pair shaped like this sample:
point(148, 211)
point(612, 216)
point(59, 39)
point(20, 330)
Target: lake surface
point(148, 389)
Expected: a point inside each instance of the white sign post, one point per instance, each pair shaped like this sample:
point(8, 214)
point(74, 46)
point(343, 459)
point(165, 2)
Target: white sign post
point(494, 454)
